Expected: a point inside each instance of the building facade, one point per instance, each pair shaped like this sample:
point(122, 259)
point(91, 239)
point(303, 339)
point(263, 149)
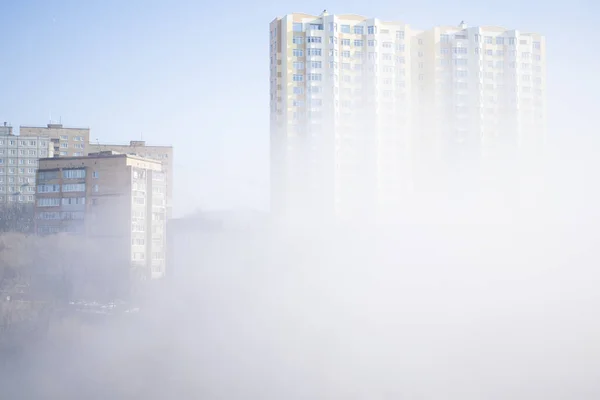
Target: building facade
point(117, 200)
point(364, 112)
point(68, 142)
point(18, 165)
point(164, 154)
point(340, 113)
point(480, 96)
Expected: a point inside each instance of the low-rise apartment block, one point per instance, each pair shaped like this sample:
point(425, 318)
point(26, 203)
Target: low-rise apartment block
point(68, 142)
point(18, 165)
point(164, 154)
point(116, 200)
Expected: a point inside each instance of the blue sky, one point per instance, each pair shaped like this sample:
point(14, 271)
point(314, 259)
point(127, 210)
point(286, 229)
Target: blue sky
point(167, 72)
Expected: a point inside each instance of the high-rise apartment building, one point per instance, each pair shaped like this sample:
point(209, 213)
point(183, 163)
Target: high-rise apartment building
point(340, 113)
point(18, 165)
point(117, 200)
point(139, 148)
point(480, 97)
point(68, 142)
point(365, 111)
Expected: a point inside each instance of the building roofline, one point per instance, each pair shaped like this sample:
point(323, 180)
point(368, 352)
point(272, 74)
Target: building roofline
point(127, 145)
point(416, 30)
point(40, 136)
point(101, 156)
point(353, 15)
point(347, 15)
point(490, 27)
point(46, 127)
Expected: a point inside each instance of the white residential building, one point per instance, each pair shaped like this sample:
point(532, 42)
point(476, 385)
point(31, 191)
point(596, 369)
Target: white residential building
point(480, 95)
point(18, 165)
point(340, 114)
point(365, 111)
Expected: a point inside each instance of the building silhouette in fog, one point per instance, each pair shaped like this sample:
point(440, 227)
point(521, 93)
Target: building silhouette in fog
point(117, 200)
point(365, 112)
point(480, 100)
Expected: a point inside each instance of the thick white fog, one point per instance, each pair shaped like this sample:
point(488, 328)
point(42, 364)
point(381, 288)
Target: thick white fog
point(466, 285)
point(470, 307)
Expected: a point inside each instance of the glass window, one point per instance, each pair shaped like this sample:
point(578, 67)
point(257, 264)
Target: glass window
point(48, 188)
point(48, 202)
point(74, 173)
point(73, 187)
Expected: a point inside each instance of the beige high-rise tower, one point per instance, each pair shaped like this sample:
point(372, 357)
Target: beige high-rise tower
point(340, 114)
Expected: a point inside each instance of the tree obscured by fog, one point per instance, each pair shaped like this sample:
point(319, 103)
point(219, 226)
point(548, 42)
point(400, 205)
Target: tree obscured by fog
point(17, 218)
point(39, 276)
